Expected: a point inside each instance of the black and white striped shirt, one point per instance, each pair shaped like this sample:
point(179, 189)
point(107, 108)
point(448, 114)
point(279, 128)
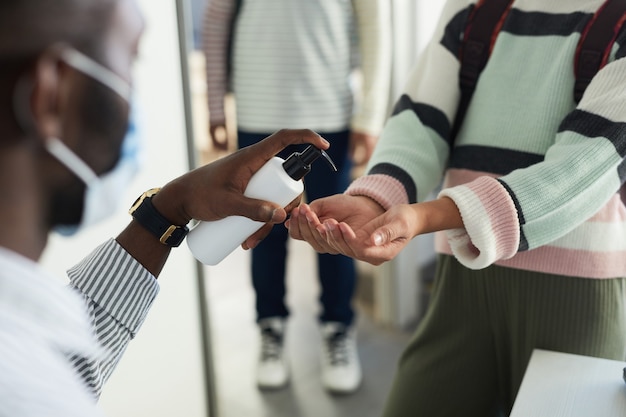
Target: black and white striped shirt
point(292, 61)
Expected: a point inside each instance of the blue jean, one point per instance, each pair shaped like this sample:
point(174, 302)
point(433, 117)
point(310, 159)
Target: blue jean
point(336, 272)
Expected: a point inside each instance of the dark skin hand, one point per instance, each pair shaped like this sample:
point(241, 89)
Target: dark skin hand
point(215, 191)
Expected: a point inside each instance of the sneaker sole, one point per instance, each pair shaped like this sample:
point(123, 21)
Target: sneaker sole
point(272, 387)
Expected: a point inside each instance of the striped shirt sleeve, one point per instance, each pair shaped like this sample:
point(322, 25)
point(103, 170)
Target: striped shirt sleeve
point(216, 35)
point(118, 291)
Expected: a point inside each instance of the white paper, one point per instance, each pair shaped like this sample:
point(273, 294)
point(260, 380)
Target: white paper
point(565, 385)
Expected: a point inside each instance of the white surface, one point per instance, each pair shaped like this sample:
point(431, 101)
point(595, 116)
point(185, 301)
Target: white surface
point(161, 374)
point(560, 384)
point(397, 285)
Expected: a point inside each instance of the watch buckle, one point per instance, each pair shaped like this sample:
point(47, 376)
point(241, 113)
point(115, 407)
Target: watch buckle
point(167, 234)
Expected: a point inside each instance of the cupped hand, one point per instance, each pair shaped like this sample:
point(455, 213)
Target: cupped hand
point(379, 240)
point(383, 237)
point(309, 222)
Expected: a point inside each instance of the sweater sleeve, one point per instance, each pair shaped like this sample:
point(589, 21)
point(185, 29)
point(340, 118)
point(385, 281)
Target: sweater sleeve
point(373, 19)
point(580, 173)
point(217, 27)
point(413, 149)
point(118, 292)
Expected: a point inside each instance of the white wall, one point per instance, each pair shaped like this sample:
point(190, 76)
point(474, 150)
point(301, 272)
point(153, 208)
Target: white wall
point(414, 22)
point(397, 289)
point(162, 371)
point(428, 12)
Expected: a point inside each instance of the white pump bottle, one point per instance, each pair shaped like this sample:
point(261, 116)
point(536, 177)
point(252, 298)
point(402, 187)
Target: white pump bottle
point(278, 181)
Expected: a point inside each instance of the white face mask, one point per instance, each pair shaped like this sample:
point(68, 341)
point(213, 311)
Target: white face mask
point(102, 194)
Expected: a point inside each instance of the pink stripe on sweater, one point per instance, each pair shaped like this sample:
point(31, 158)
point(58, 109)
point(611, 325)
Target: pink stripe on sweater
point(384, 189)
point(502, 213)
point(613, 212)
point(456, 177)
point(497, 235)
point(561, 261)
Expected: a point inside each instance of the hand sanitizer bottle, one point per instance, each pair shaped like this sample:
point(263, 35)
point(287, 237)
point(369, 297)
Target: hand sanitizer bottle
point(278, 181)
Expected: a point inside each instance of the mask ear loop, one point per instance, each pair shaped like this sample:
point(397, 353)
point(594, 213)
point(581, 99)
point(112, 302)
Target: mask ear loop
point(71, 161)
point(21, 106)
point(99, 72)
point(23, 91)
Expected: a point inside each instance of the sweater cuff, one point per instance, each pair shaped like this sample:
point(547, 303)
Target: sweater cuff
point(384, 189)
point(116, 282)
point(492, 230)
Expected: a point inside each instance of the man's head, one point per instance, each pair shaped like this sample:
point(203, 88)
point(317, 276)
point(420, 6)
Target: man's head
point(43, 95)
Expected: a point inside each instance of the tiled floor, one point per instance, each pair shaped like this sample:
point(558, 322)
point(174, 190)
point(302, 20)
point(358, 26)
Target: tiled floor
point(235, 341)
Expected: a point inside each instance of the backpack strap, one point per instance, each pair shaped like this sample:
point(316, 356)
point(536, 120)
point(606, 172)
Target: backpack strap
point(484, 24)
point(596, 42)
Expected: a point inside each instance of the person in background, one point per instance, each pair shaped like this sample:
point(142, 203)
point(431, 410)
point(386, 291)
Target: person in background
point(290, 63)
point(532, 207)
point(65, 83)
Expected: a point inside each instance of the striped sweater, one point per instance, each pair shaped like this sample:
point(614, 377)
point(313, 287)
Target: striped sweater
point(537, 179)
point(292, 61)
point(58, 344)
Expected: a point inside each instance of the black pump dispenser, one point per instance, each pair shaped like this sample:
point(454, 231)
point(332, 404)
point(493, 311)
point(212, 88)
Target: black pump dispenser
point(299, 163)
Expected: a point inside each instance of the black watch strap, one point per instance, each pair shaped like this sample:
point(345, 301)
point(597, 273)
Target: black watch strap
point(144, 212)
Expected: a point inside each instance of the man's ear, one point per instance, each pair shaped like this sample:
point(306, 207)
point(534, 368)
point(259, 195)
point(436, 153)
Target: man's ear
point(48, 94)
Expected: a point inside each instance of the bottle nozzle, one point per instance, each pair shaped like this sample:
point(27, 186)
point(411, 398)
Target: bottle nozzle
point(299, 163)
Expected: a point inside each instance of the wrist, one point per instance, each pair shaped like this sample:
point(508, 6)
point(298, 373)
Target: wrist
point(146, 214)
point(439, 214)
point(371, 202)
point(170, 205)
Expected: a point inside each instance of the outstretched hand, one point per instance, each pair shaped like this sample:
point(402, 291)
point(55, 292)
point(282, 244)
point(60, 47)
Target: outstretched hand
point(359, 228)
point(377, 241)
point(215, 191)
point(309, 223)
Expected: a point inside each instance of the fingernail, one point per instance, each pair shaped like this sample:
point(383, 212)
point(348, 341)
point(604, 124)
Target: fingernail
point(275, 216)
point(378, 239)
point(325, 142)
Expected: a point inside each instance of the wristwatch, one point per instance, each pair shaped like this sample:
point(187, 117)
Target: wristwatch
point(144, 212)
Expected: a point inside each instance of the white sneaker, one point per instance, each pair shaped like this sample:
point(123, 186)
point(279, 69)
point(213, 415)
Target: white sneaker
point(272, 369)
point(341, 369)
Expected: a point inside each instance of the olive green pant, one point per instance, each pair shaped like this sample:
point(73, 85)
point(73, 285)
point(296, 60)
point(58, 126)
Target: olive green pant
point(469, 354)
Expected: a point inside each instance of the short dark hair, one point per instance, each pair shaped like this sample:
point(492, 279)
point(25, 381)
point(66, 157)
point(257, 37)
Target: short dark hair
point(27, 27)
